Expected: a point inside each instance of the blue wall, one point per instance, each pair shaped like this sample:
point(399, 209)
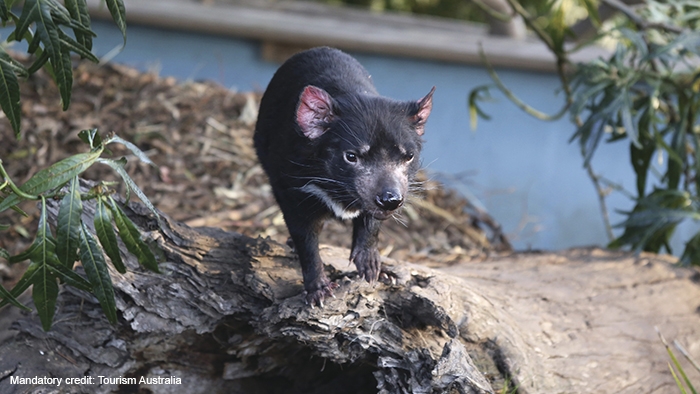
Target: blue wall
point(521, 169)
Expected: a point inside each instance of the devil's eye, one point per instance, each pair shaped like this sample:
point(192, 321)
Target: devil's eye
point(350, 157)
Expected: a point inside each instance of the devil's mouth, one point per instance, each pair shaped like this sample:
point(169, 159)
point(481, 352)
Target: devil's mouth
point(381, 215)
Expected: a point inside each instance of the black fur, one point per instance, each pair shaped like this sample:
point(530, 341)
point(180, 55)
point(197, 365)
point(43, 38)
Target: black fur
point(351, 159)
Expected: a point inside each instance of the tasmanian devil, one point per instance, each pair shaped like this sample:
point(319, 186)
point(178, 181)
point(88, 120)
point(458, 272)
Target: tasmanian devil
point(333, 147)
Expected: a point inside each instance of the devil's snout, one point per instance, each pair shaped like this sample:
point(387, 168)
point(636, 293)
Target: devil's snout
point(389, 200)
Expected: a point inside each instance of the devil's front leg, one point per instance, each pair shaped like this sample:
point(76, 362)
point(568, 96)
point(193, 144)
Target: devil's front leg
point(364, 247)
point(304, 230)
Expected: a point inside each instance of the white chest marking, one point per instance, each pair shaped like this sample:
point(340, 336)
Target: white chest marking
point(338, 210)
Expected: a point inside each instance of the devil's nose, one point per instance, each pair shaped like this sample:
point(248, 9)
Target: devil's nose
point(389, 200)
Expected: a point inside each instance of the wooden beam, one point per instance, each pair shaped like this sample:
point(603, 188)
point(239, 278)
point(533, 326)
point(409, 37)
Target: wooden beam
point(306, 25)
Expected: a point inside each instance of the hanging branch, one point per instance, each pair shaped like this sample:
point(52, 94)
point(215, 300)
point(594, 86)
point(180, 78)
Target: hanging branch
point(600, 192)
point(512, 97)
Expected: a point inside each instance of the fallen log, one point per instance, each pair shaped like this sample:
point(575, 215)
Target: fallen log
point(227, 315)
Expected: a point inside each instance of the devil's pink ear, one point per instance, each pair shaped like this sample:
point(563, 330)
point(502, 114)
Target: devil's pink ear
point(425, 105)
point(314, 111)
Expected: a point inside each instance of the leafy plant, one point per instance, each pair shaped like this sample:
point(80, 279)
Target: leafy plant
point(45, 26)
point(50, 44)
point(648, 94)
point(52, 258)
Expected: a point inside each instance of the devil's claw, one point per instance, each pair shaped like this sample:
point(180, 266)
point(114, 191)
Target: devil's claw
point(323, 290)
point(388, 278)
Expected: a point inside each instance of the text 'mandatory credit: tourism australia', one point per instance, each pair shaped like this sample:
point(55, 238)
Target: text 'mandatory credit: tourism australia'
point(94, 380)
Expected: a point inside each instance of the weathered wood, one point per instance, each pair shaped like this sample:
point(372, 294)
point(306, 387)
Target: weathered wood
point(306, 24)
point(583, 320)
point(227, 315)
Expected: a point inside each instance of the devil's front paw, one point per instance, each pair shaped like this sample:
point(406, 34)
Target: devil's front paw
point(368, 263)
point(318, 290)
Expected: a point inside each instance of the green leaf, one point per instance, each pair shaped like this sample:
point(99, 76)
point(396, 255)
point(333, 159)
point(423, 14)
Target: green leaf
point(45, 287)
point(105, 233)
point(118, 166)
point(98, 275)
point(691, 254)
point(589, 135)
point(39, 62)
point(63, 75)
point(53, 177)
point(90, 137)
point(600, 115)
point(649, 217)
point(626, 115)
point(34, 43)
point(678, 382)
point(24, 282)
point(13, 64)
point(68, 226)
point(79, 12)
point(679, 368)
point(8, 297)
point(636, 39)
point(11, 3)
point(4, 15)
point(650, 238)
point(689, 41)
point(69, 44)
point(9, 90)
point(675, 167)
point(44, 238)
point(18, 210)
point(585, 97)
point(116, 9)
point(695, 139)
point(62, 16)
point(40, 13)
point(477, 94)
point(45, 293)
point(70, 277)
point(29, 11)
point(43, 243)
point(672, 154)
point(131, 237)
point(641, 158)
point(651, 223)
point(25, 255)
